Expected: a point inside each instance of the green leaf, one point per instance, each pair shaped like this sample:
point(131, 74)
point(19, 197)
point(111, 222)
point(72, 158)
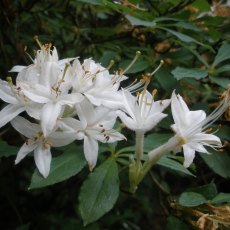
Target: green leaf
point(93, 2)
point(221, 198)
point(219, 162)
point(222, 69)
point(63, 167)
point(209, 191)
point(138, 22)
point(174, 165)
point(222, 55)
point(197, 74)
point(166, 80)
point(224, 132)
point(156, 139)
point(191, 199)
point(221, 81)
point(99, 192)
point(202, 5)
point(7, 150)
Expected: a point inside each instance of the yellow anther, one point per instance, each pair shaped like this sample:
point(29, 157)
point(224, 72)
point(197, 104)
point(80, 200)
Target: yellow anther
point(154, 92)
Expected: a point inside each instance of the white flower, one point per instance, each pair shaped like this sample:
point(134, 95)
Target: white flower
point(95, 82)
point(94, 124)
point(18, 103)
point(38, 143)
point(54, 99)
point(141, 113)
point(190, 125)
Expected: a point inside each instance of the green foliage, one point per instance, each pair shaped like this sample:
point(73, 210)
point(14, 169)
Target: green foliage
point(62, 168)
point(99, 192)
point(195, 47)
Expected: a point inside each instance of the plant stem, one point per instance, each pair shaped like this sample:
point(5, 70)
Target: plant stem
point(139, 145)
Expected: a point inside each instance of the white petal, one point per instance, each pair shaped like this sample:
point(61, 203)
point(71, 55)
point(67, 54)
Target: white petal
point(179, 110)
point(25, 127)
point(17, 68)
point(153, 120)
point(197, 147)
point(207, 139)
point(37, 93)
point(6, 93)
point(128, 121)
point(90, 151)
point(59, 139)
point(69, 124)
point(9, 112)
point(159, 106)
point(34, 110)
point(129, 103)
point(49, 115)
point(189, 155)
point(24, 150)
point(42, 157)
point(194, 117)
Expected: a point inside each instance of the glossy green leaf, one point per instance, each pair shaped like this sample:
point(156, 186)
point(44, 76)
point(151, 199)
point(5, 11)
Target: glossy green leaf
point(221, 81)
point(221, 198)
point(138, 22)
point(99, 192)
point(191, 199)
point(63, 167)
point(197, 74)
point(7, 150)
point(219, 162)
point(209, 191)
point(174, 165)
point(222, 55)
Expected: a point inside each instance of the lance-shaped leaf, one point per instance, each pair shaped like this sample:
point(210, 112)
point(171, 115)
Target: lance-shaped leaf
point(99, 192)
point(222, 55)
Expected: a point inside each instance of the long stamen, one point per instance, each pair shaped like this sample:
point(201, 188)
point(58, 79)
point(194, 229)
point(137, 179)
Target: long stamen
point(138, 53)
point(158, 67)
point(38, 42)
point(111, 63)
point(219, 110)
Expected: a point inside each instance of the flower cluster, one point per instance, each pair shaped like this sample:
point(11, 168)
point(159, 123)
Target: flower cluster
point(68, 100)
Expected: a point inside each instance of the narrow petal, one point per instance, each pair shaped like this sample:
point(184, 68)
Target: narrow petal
point(207, 139)
point(17, 68)
point(90, 151)
point(37, 93)
point(189, 155)
point(49, 115)
point(24, 150)
point(42, 157)
point(159, 106)
point(58, 139)
point(128, 121)
point(179, 110)
point(6, 93)
point(25, 127)
point(9, 112)
point(153, 120)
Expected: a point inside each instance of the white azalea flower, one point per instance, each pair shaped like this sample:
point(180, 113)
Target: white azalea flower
point(38, 143)
point(94, 124)
point(141, 113)
point(54, 97)
point(45, 69)
point(190, 125)
point(18, 103)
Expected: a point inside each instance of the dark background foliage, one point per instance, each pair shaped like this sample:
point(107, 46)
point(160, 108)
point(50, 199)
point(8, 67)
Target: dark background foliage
point(185, 34)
